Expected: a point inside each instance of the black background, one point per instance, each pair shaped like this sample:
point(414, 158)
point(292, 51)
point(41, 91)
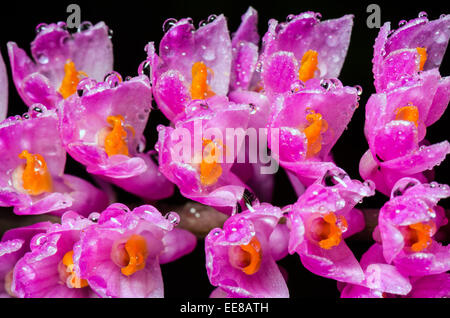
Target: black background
point(135, 23)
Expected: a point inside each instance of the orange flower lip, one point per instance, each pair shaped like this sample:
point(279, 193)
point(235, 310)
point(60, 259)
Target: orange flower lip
point(115, 141)
point(246, 257)
point(408, 113)
point(327, 229)
point(35, 176)
point(67, 273)
point(313, 132)
point(210, 168)
point(422, 57)
point(135, 256)
point(71, 79)
point(418, 236)
point(308, 65)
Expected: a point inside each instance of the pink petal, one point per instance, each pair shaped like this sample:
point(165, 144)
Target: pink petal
point(177, 243)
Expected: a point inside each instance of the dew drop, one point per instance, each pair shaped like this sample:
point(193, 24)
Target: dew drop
point(94, 216)
point(212, 18)
point(402, 23)
point(40, 239)
point(259, 67)
point(290, 17)
point(423, 14)
point(173, 218)
point(358, 90)
point(168, 24)
point(145, 68)
point(41, 27)
point(42, 58)
point(318, 16)
point(85, 84)
point(86, 25)
point(253, 108)
point(297, 86)
point(325, 84)
point(37, 109)
point(110, 33)
point(113, 79)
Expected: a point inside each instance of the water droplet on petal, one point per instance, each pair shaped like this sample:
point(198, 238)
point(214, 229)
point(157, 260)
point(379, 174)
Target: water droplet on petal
point(173, 218)
point(326, 84)
point(211, 18)
point(290, 17)
point(113, 79)
point(38, 109)
point(423, 14)
point(145, 68)
point(168, 24)
point(259, 66)
point(402, 23)
point(85, 84)
point(40, 239)
point(94, 216)
point(253, 108)
point(318, 16)
point(41, 27)
point(160, 127)
point(358, 90)
point(110, 33)
point(42, 58)
point(86, 25)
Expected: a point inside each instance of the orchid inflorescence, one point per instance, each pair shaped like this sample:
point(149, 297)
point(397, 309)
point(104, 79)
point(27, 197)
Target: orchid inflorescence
point(202, 79)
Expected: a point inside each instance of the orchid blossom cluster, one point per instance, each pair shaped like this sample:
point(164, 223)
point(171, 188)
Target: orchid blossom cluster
point(206, 79)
